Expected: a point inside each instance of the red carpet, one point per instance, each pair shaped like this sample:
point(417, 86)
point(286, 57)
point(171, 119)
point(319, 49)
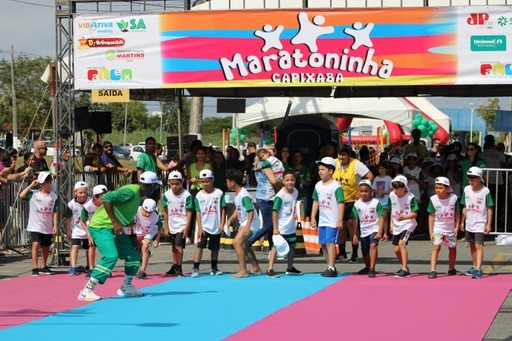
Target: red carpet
point(29, 298)
point(385, 308)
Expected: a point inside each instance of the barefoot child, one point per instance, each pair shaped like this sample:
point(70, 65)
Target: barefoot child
point(404, 207)
point(87, 211)
point(74, 230)
point(178, 210)
point(369, 213)
point(477, 216)
point(147, 226)
point(443, 224)
point(249, 223)
point(42, 220)
point(283, 217)
point(329, 201)
point(211, 215)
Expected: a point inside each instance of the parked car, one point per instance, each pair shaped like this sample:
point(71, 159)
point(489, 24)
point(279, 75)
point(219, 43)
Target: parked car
point(135, 152)
point(120, 153)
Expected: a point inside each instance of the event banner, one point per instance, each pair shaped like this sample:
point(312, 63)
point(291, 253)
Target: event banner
point(300, 47)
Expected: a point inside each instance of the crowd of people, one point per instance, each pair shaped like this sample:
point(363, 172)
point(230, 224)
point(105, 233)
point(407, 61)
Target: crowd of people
point(349, 195)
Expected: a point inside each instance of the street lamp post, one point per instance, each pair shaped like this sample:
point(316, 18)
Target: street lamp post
point(472, 107)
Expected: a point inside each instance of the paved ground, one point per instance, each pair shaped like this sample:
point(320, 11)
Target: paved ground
point(497, 260)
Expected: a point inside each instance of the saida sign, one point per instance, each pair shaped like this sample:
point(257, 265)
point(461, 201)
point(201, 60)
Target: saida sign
point(111, 96)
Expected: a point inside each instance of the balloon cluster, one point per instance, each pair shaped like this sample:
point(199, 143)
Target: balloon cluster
point(242, 134)
point(427, 128)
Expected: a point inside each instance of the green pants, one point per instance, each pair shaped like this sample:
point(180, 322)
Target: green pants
point(112, 248)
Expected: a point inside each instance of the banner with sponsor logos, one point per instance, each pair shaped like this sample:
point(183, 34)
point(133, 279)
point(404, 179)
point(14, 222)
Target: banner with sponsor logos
point(269, 48)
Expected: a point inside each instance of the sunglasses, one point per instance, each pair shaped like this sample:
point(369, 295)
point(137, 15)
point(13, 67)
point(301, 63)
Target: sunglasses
point(470, 149)
point(472, 177)
point(105, 147)
point(399, 185)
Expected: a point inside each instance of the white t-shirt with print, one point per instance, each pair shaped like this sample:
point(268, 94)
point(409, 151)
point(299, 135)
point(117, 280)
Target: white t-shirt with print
point(444, 212)
point(210, 207)
point(402, 207)
point(77, 232)
point(284, 204)
point(41, 208)
point(244, 205)
point(328, 197)
point(146, 225)
point(177, 207)
point(476, 208)
point(368, 214)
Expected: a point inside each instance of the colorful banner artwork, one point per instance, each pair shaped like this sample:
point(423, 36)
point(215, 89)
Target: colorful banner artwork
point(287, 48)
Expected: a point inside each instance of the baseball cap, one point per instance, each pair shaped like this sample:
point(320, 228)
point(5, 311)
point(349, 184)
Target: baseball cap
point(327, 161)
point(451, 157)
point(394, 160)
point(444, 181)
point(206, 174)
point(475, 171)
point(365, 182)
point(412, 154)
point(42, 177)
point(428, 159)
point(175, 175)
point(281, 245)
point(149, 178)
point(402, 179)
point(436, 164)
point(149, 205)
point(99, 189)
point(80, 184)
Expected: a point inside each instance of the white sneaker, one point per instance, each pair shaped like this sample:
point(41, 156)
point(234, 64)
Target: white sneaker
point(88, 295)
point(129, 291)
point(216, 272)
point(195, 273)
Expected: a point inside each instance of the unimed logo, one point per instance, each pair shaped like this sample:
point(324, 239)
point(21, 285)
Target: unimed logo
point(115, 75)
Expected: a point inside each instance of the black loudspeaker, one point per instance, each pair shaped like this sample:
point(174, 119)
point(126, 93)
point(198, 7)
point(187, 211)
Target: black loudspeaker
point(100, 121)
point(172, 145)
point(82, 118)
point(9, 141)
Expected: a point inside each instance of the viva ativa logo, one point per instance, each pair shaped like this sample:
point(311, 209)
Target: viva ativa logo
point(308, 33)
point(132, 25)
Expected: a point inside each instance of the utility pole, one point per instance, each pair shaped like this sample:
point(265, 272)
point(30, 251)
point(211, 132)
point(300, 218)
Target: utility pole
point(196, 116)
point(14, 112)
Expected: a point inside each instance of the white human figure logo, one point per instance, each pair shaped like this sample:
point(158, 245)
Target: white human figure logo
point(271, 38)
point(310, 31)
point(361, 35)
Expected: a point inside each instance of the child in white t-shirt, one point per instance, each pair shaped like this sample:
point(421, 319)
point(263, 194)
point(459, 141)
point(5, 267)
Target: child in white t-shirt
point(74, 230)
point(210, 209)
point(283, 218)
point(443, 224)
point(249, 223)
point(328, 199)
point(404, 207)
point(87, 212)
point(42, 220)
point(178, 210)
point(477, 216)
point(369, 213)
point(147, 226)
point(381, 189)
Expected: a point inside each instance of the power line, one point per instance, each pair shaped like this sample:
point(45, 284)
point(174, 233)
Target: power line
point(21, 53)
point(32, 3)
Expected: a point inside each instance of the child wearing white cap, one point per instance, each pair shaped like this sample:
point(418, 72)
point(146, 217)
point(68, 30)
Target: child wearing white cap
point(42, 219)
point(210, 209)
point(443, 224)
point(88, 210)
point(404, 208)
point(75, 233)
point(370, 214)
point(477, 217)
point(178, 206)
point(148, 226)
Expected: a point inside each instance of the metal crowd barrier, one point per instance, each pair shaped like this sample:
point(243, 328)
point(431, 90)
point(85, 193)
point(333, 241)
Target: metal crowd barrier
point(502, 196)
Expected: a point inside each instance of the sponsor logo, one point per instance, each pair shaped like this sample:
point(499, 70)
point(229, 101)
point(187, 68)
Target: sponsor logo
point(97, 26)
point(479, 19)
point(488, 43)
point(86, 43)
point(110, 75)
point(356, 58)
point(495, 70)
point(126, 55)
point(132, 25)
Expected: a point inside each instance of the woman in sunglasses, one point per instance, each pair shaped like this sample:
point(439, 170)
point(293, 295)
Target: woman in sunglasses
point(472, 160)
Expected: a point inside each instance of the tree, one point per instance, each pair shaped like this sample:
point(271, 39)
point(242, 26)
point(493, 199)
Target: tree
point(33, 101)
point(488, 113)
point(170, 119)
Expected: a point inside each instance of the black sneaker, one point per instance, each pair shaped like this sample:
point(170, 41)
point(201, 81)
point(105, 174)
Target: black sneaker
point(403, 274)
point(371, 273)
point(342, 256)
point(397, 271)
point(46, 271)
point(453, 272)
point(272, 274)
point(330, 273)
point(293, 271)
point(179, 272)
point(172, 272)
point(35, 272)
point(352, 260)
point(432, 275)
point(363, 271)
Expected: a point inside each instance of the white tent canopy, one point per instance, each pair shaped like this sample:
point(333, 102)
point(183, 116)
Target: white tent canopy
point(271, 108)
